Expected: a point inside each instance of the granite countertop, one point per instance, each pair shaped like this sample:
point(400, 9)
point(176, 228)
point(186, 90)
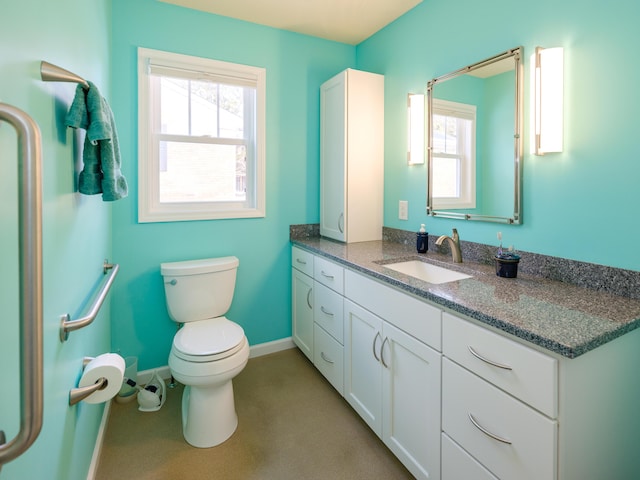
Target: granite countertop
point(563, 318)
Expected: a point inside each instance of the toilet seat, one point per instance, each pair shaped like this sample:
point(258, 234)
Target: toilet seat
point(208, 340)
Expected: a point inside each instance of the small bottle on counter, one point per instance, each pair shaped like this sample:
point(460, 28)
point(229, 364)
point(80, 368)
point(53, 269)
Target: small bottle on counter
point(422, 241)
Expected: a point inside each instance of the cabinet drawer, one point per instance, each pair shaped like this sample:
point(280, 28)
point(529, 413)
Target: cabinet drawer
point(329, 274)
point(302, 260)
point(533, 376)
point(409, 314)
point(459, 465)
point(531, 453)
point(327, 311)
point(328, 357)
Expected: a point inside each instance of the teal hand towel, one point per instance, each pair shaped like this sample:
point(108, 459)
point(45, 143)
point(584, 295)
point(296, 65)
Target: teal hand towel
point(101, 155)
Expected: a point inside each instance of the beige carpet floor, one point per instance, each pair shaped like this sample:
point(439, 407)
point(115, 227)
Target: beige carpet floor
point(292, 425)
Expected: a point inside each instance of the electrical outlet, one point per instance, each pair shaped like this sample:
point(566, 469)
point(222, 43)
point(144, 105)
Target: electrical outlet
point(403, 210)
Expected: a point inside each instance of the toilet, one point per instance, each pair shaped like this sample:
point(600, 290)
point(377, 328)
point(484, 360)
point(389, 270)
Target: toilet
point(209, 350)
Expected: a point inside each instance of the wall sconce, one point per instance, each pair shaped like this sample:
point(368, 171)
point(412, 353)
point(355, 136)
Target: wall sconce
point(547, 100)
point(415, 130)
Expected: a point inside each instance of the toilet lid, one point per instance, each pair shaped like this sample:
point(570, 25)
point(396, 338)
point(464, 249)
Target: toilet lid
point(208, 338)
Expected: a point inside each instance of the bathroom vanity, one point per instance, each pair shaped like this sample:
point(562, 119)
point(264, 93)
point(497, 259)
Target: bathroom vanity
point(482, 377)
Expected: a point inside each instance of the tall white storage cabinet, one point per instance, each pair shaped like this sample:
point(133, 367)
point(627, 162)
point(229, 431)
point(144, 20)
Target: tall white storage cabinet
point(352, 156)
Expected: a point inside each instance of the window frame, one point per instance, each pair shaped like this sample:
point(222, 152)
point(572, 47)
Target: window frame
point(150, 209)
point(467, 159)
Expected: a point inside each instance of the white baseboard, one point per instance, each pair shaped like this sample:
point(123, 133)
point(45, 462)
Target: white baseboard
point(102, 430)
point(145, 375)
point(271, 347)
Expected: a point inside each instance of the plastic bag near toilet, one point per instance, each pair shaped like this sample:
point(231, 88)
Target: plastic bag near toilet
point(153, 395)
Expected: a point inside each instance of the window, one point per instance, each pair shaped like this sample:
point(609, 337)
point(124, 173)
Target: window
point(453, 158)
point(201, 138)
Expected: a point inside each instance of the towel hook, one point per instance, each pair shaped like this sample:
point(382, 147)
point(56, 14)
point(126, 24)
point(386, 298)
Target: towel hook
point(52, 73)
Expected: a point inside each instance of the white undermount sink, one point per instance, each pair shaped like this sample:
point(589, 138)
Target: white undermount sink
point(427, 272)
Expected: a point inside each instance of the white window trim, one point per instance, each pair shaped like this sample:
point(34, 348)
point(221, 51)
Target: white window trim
point(149, 207)
point(467, 198)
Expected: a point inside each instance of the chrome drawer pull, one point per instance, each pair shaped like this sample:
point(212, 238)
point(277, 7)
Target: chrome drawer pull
point(487, 432)
point(324, 357)
point(326, 275)
point(325, 312)
point(486, 360)
point(301, 261)
point(374, 346)
point(386, 339)
point(308, 301)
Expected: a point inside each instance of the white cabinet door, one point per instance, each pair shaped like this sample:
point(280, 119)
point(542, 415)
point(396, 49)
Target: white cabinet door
point(352, 156)
point(333, 156)
point(411, 402)
point(362, 369)
point(302, 311)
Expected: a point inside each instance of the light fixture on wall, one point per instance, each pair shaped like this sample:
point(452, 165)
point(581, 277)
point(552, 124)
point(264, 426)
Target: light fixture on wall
point(547, 100)
point(415, 129)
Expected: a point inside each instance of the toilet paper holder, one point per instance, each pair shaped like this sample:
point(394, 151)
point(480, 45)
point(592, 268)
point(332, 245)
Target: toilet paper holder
point(76, 395)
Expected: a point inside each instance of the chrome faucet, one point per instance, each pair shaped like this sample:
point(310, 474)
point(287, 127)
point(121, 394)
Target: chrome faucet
point(454, 244)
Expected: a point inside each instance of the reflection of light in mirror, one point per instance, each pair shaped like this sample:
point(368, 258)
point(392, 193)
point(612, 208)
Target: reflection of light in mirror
point(416, 131)
point(547, 100)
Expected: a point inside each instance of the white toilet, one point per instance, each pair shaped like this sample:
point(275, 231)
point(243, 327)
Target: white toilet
point(209, 350)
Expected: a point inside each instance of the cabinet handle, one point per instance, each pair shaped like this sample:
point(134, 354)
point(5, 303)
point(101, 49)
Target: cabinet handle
point(324, 357)
point(308, 300)
point(374, 346)
point(326, 275)
point(325, 312)
point(301, 261)
point(487, 432)
point(384, 364)
point(341, 222)
point(486, 360)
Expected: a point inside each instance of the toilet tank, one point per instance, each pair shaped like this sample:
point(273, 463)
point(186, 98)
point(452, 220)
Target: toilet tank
point(199, 289)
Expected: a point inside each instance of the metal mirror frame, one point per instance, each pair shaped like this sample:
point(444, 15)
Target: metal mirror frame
point(516, 54)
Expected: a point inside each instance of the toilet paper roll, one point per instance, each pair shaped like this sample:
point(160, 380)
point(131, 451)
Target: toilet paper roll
point(108, 365)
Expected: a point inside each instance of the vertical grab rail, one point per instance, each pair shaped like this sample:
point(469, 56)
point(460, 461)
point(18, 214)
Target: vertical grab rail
point(30, 265)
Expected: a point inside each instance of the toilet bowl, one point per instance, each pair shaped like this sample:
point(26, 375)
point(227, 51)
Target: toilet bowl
point(209, 350)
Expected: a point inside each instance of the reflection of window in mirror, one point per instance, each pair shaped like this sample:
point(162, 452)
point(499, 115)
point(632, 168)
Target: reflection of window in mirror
point(453, 157)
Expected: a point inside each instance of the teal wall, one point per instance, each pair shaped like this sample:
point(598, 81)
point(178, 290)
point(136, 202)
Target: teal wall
point(76, 229)
point(296, 66)
point(580, 204)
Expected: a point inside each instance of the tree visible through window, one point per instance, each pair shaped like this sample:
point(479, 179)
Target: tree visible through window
point(201, 144)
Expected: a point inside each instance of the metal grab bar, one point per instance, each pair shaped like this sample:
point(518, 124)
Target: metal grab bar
point(30, 266)
point(67, 325)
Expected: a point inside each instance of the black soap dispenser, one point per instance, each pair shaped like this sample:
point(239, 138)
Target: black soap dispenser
point(422, 241)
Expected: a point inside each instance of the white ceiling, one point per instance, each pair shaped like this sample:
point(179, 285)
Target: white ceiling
point(346, 21)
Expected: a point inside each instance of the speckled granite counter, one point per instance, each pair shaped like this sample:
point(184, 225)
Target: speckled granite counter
point(560, 317)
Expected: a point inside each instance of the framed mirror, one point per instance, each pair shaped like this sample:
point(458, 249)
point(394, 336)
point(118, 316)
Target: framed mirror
point(474, 141)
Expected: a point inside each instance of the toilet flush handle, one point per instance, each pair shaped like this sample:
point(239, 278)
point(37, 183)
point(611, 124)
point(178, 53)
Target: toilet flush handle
point(172, 282)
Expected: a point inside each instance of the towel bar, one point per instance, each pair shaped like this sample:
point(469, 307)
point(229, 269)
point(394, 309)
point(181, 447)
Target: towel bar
point(67, 325)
